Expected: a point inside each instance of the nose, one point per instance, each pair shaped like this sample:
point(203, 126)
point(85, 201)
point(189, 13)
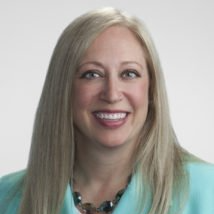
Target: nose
point(111, 92)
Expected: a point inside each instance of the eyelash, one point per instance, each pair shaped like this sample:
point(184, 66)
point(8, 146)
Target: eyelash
point(86, 74)
point(128, 72)
point(93, 74)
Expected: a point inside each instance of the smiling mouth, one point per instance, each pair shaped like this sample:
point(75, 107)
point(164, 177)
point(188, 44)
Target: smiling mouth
point(111, 119)
point(111, 116)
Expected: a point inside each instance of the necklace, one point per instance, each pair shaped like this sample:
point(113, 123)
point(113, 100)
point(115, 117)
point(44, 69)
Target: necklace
point(106, 206)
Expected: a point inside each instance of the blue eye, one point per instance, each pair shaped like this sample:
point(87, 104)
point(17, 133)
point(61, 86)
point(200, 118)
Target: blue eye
point(130, 74)
point(90, 75)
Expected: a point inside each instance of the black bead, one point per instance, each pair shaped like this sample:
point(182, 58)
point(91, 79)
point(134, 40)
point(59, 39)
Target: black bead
point(77, 198)
point(119, 195)
point(106, 206)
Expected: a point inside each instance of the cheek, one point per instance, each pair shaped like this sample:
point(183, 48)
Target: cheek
point(83, 96)
point(140, 95)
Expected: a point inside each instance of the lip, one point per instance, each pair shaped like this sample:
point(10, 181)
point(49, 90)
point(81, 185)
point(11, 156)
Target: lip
point(111, 123)
point(111, 111)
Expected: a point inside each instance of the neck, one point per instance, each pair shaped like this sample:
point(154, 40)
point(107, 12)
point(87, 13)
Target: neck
point(100, 172)
point(101, 165)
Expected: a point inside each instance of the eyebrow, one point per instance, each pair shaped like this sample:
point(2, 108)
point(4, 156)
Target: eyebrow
point(101, 65)
point(91, 62)
point(132, 62)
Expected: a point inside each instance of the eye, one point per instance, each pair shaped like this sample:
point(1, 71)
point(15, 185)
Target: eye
point(91, 74)
point(130, 74)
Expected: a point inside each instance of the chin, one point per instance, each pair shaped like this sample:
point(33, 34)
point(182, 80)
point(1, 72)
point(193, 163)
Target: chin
point(112, 143)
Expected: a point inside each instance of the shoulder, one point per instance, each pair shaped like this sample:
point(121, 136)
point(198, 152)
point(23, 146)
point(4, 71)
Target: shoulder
point(201, 188)
point(12, 177)
point(201, 173)
point(10, 191)
point(11, 180)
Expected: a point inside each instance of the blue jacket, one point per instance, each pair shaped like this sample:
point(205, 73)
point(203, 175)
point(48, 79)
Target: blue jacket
point(200, 199)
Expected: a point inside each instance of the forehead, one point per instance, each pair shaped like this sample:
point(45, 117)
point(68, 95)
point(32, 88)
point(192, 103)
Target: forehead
point(117, 41)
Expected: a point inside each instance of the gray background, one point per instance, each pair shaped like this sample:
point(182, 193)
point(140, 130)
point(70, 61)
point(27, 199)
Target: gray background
point(183, 32)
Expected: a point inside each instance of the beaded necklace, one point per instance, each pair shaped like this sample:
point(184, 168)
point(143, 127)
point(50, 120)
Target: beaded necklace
point(106, 206)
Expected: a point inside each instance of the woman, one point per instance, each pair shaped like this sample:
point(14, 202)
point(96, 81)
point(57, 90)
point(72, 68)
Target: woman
point(102, 131)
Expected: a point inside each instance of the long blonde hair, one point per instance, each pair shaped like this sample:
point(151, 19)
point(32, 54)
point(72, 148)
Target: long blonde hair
point(159, 158)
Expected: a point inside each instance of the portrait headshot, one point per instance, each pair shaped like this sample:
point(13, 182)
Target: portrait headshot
point(107, 108)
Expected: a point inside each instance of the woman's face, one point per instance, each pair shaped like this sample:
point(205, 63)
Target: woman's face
point(111, 90)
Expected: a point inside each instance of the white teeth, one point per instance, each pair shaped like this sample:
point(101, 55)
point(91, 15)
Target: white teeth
point(111, 116)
